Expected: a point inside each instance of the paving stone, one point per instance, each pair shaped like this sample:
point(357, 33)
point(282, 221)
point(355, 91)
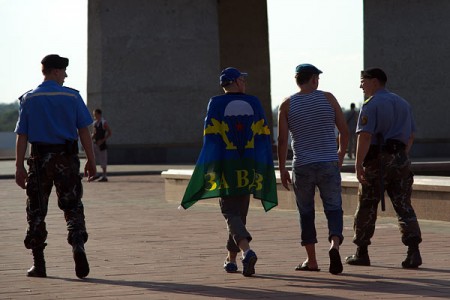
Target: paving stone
point(142, 247)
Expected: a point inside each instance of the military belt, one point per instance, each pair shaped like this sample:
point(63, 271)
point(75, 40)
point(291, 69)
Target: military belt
point(43, 149)
point(391, 147)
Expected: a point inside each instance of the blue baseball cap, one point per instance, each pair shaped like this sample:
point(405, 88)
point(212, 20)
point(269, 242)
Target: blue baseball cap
point(307, 68)
point(229, 75)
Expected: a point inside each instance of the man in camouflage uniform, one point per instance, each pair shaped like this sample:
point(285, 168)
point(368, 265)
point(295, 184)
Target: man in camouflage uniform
point(385, 135)
point(51, 118)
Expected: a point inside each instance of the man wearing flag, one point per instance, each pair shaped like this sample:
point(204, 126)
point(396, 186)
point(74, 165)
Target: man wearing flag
point(235, 162)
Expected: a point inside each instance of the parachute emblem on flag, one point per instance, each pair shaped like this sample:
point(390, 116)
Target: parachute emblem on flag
point(239, 117)
point(238, 129)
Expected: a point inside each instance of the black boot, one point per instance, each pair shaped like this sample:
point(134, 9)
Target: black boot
point(361, 258)
point(413, 259)
point(79, 256)
point(38, 268)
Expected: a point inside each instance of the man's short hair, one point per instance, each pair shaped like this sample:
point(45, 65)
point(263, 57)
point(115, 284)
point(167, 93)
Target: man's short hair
point(376, 73)
point(302, 78)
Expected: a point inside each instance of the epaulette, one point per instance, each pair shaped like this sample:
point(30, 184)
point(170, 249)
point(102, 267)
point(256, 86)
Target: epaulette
point(72, 89)
point(21, 96)
point(367, 100)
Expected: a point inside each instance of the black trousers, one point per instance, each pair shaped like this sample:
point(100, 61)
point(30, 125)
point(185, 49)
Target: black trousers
point(234, 210)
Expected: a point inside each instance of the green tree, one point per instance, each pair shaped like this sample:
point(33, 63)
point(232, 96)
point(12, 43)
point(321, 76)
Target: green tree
point(8, 116)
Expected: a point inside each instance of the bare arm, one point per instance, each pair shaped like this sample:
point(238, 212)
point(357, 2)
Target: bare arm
point(341, 125)
point(85, 138)
point(282, 148)
point(21, 149)
point(108, 131)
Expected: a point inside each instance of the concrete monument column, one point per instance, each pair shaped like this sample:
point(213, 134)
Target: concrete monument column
point(153, 65)
point(409, 39)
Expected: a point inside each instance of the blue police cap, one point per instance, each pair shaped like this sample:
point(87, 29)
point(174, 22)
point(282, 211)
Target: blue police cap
point(307, 68)
point(54, 61)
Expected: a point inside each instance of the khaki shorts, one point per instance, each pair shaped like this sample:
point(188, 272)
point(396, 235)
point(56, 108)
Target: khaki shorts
point(101, 157)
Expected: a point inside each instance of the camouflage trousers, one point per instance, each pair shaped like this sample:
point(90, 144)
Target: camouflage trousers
point(63, 171)
point(398, 180)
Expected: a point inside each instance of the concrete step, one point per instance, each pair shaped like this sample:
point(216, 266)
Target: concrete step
point(430, 197)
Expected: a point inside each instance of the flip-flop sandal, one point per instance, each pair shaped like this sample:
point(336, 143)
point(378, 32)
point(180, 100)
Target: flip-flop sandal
point(304, 267)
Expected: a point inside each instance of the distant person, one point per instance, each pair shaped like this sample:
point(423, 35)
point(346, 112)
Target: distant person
point(351, 117)
point(52, 118)
point(310, 116)
point(385, 135)
point(100, 134)
point(235, 162)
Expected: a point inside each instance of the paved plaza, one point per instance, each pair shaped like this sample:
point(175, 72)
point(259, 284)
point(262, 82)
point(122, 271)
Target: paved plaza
point(143, 247)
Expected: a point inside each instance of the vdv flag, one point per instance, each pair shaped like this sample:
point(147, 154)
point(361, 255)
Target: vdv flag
point(236, 157)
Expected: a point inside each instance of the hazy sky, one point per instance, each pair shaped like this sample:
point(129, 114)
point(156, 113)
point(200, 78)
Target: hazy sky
point(326, 33)
point(31, 29)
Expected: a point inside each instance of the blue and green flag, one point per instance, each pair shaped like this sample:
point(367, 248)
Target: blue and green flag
point(236, 158)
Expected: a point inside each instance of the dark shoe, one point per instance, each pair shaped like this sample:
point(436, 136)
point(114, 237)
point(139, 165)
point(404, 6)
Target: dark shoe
point(249, 262)
point(413, 259)
point(35, 271)
point(81, 263)
point(335, 261)
point(230, 267)
point(358, 260)
point(38, 268)
point(103, 179)
point(361, 258)
point(304, 267)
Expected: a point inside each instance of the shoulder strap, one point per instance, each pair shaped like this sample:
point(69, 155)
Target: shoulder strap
point(23, 95)
point(72, 89)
